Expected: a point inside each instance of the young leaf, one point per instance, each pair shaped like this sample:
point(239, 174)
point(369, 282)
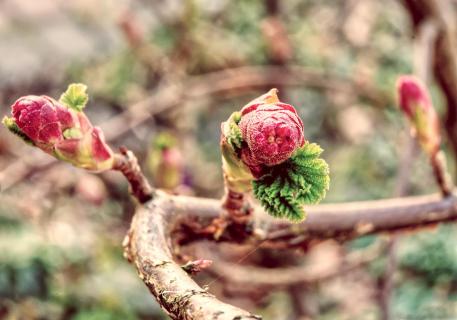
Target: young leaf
point(287, 187)
point(75, 97)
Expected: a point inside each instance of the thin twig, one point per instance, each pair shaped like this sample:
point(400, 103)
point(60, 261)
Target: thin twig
point(127, 163)
point(440, 171)
point(148, 246)
point(231, 83)
point(237, 207)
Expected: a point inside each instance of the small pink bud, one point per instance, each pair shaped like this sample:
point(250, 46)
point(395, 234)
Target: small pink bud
point(272, 130)
point(415, 102)
point(412, 95)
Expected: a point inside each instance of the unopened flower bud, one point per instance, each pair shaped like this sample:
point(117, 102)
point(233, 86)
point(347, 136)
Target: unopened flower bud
point(61, 131)
point(272, 130)
point(415, 102)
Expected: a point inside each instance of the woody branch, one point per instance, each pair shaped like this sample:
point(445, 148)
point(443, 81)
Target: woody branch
point(148, 244)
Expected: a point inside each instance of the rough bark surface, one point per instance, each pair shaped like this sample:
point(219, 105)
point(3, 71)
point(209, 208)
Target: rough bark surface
point(149, 242)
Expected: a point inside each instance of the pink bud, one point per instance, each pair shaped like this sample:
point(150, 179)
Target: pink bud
point(415, 102)
point(272, 131)
point(42, 119)
point(412, 95)
point(62, 132)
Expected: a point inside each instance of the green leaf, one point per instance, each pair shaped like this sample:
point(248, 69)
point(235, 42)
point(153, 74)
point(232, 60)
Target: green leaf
point(287, 187)
point(11, 125)
point(75, 97)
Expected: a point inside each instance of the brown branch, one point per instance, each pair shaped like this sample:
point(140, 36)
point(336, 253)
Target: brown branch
point(342, 221)
point(148, 244)
point(127, 163)
point(278, 44)
point(148, 247)
point(442, 177)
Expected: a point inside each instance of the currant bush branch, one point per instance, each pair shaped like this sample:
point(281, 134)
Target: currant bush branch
point(167, 217)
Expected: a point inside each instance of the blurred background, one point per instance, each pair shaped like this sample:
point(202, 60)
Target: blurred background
point(162, 76)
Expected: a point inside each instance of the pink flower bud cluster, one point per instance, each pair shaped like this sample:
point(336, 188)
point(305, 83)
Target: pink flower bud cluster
point(272, 131)
point(62, 132)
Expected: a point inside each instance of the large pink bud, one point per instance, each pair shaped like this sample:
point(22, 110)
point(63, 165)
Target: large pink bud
point(272, 130)
point(61, 131)
point(42, 119)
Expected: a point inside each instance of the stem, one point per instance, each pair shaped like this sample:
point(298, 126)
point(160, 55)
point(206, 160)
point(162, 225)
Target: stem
point(237, 206)
point(127, 163)
point(442, 177)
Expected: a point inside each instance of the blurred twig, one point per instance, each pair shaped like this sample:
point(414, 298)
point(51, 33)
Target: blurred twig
point(274, 32)
point(284, 277)
point(235, 82)
point(442, 13)
point(423, 57)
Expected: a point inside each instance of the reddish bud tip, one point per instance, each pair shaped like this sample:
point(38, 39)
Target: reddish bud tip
point(412, 94)
point(415, 102)
point(272, 132)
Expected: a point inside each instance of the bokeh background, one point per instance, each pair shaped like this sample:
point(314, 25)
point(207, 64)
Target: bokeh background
point(162, 75)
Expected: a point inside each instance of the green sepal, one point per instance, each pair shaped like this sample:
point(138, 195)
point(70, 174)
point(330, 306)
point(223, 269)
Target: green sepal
point(287, 187)
point(236, 174)
point(231, 130)
point(72, 133)
point(11, 125)
point(164, 140)
point(75, 97)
